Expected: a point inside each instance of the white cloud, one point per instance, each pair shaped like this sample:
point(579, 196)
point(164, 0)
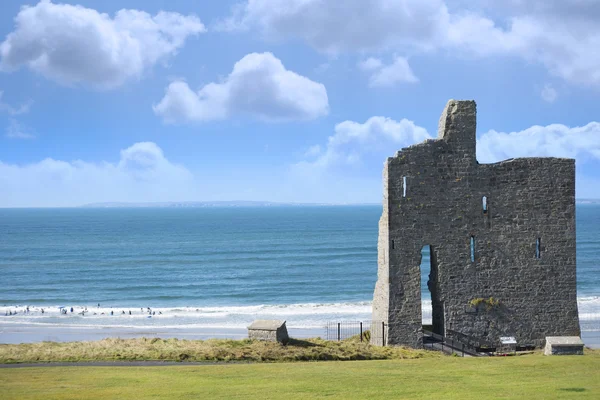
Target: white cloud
point(370, 64)
point(352, 156)
point(313, 151)
point(16, 130)
point(259, 86)
point(554, 140)
point(142, 174)
point(351, 140)
point(549, 94)
point(73, 44)
point(334, 26)
point(561, 36)
point(389, 75)
point(22, 109)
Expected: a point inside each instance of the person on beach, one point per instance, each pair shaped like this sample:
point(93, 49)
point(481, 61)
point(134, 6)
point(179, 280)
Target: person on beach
point(111, 313)
point(71, 309)
point(42, 310)
point(129, 312)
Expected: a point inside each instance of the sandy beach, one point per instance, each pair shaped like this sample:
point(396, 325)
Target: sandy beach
point(26, 333)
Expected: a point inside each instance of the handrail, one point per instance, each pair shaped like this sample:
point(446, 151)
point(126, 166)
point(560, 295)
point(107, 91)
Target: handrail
point(472, 341)
point(453, 344)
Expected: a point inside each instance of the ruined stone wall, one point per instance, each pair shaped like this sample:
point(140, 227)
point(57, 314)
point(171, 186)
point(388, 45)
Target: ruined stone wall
point(433, 195)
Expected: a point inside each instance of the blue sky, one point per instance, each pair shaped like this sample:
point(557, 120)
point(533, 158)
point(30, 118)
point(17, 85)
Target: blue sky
point(280, 100)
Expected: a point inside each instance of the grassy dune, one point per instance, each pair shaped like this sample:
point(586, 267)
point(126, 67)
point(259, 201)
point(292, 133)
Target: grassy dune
point(527, 377)
point(198, 350)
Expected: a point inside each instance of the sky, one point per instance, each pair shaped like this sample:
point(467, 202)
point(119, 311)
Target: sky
point(281, 100)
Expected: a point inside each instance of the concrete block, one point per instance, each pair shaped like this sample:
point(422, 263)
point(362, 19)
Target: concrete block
point(269, 330)
point(563, 345)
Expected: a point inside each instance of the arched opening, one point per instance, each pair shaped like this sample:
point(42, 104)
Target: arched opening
point(431, 305)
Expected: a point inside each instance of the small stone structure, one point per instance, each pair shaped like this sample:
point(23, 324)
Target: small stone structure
point(501, 238)
point(269, 330)
point(563, 345)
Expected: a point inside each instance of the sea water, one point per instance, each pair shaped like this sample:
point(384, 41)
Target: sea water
point(212, 267)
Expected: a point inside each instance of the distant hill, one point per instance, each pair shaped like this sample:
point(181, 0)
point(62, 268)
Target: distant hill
point(203, 204)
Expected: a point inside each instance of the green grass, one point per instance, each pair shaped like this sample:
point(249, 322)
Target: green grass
point(529, 377)
point(199, 350)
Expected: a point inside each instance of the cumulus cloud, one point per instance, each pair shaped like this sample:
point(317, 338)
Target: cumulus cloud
point(11, 110)
point(370, 64)
point(259, 86)
point(334, 26)
point(389, 75)
point(549, 94)
point(73, 44)
point(313, 151)
point(351, 140)
point(383, 136)
point(16, 130)
point(143, 173)
point(562, 36)
point(350, 162)
point(556, 140)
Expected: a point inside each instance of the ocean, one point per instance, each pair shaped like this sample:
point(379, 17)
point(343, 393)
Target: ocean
point(212, 267)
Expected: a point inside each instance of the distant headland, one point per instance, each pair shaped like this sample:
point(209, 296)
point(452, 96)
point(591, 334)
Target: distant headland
point(206, 204)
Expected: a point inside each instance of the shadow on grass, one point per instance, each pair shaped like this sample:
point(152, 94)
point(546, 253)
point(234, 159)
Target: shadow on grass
point(577, 390)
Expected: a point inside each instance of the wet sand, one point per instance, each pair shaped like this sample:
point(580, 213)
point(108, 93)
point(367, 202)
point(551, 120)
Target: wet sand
point(24, 333)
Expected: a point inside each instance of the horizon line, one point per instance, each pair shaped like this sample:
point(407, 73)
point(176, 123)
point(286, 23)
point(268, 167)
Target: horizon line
point(240, 203)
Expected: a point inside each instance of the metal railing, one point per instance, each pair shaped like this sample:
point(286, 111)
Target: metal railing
point(480, 345)
point(435, 341)
point(361, 330)
point(376, 332)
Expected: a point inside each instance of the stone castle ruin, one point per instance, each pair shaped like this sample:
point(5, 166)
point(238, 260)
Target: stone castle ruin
point(501, 239)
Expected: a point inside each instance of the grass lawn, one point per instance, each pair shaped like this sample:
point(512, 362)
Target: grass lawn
point(530, 377)
point(203, 350)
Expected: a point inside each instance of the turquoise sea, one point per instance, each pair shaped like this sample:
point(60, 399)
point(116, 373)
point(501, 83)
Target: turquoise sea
point(211, 267)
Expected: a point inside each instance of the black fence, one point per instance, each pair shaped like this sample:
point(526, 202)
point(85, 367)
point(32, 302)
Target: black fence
point(375, 332)
point(364, 331)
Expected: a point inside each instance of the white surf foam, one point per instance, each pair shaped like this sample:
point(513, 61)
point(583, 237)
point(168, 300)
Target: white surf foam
point(305, 315)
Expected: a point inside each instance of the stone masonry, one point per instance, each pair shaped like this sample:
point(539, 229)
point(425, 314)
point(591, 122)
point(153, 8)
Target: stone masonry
point(504, 231)
point(269, 330)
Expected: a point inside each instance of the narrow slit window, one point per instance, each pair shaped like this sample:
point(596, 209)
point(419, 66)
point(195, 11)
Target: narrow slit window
point(484, 204)
point(538, 248)
point(403, 186)
point(472, 248)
